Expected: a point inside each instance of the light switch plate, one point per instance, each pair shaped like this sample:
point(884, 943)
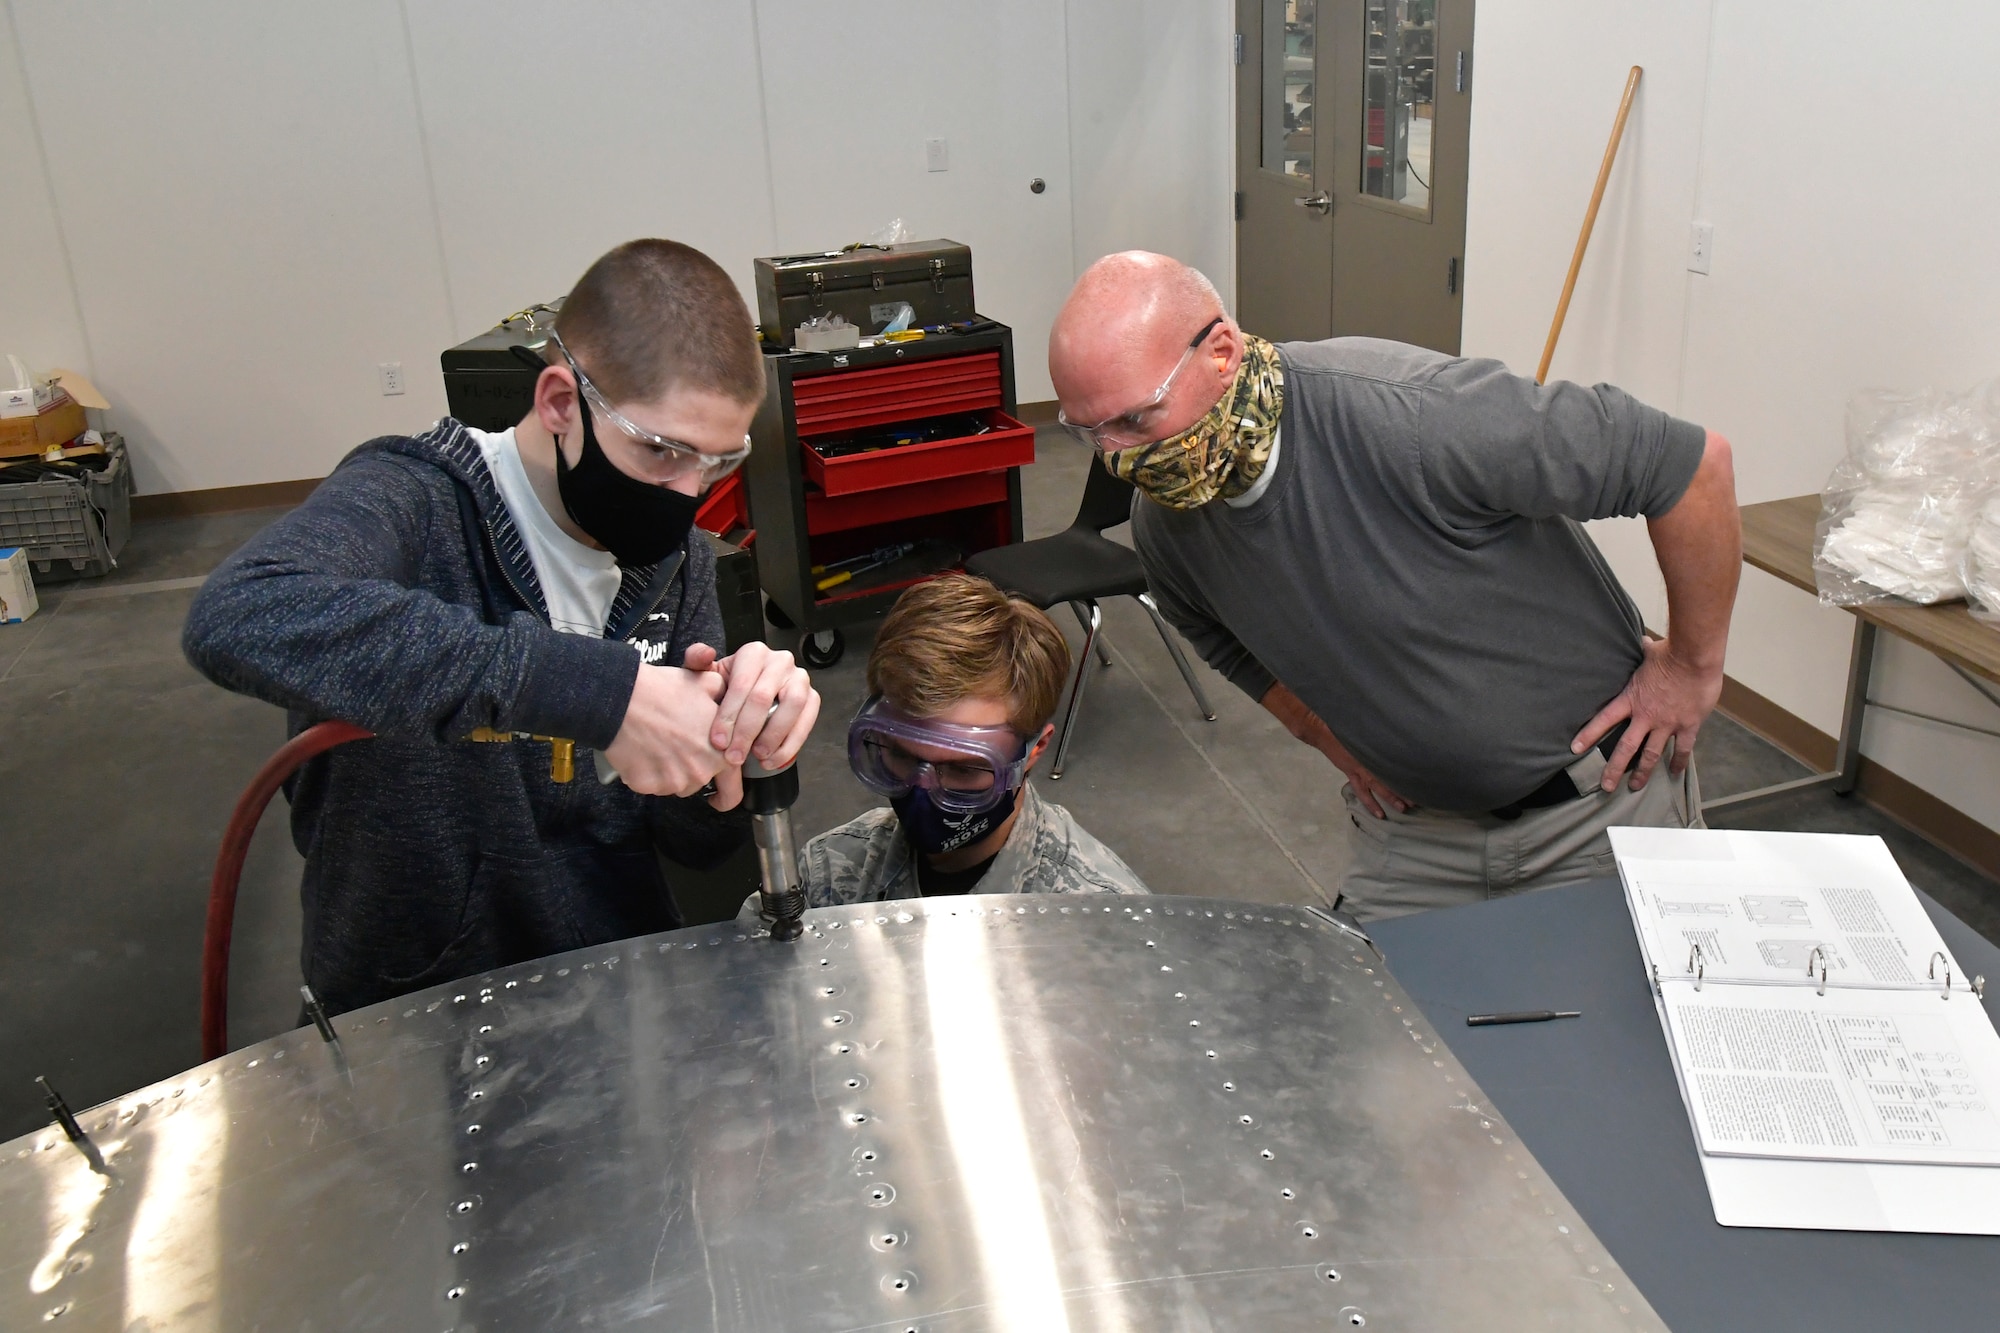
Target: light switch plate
point(1701, 246)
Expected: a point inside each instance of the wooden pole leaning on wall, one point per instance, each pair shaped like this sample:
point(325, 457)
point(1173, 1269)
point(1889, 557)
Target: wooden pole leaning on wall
point(1589, 221)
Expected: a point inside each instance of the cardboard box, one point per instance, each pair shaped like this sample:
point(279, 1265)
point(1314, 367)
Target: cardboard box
point(27, 395)
point(56, 424)
point(79, 388)
point(17, 587)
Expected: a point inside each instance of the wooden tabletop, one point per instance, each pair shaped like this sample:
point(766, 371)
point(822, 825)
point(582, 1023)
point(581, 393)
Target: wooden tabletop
point(1778, 539)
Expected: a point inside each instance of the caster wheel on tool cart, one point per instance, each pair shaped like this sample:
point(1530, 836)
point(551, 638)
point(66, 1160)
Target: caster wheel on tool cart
point(776, 615)
point(820, 651)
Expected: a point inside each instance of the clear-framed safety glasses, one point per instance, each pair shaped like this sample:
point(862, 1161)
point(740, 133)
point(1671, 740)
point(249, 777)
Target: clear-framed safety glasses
point(1129, 428)
point(682, 458)
point(965, 769)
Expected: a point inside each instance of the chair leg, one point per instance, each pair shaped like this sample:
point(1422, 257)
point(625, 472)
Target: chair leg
point(1083, 619)
point(1180, 659)
point(1092, 617)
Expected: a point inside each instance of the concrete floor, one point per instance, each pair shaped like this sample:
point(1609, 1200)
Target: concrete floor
point(122, 765)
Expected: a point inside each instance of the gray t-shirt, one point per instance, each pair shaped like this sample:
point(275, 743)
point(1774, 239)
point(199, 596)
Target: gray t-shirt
point(1415, 571)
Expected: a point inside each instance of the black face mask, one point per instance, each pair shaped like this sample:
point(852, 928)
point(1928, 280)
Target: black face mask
point(638, 522)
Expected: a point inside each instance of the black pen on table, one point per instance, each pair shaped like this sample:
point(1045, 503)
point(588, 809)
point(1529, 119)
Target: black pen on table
point(1525, 1016)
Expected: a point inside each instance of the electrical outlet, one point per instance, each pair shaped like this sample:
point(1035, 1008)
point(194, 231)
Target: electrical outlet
point(1701, 246)
point(392, 378)
point(937, 155)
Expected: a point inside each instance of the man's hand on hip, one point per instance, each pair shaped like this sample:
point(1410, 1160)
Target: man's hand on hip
point(662, 747)
point(1305, 724)
point(1666, 700)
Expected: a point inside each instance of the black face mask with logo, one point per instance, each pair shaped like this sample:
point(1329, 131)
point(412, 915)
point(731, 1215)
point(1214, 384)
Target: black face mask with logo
point(638, 522)
point(938, 831)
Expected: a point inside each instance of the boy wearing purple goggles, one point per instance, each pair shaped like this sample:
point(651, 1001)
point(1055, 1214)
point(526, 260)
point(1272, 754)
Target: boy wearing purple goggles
point(963, 681)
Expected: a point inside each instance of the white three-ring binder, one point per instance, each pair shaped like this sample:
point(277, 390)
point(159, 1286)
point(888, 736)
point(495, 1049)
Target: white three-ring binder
point(1837, 1064)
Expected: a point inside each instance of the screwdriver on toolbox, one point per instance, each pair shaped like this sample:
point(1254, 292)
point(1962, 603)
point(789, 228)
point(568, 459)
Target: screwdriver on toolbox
point(860, 564)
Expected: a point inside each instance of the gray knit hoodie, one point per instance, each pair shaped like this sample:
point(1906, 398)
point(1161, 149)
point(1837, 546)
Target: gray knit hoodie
point(400, 598)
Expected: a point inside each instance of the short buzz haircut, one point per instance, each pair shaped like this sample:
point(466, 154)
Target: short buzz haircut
point(652, 316)
point(958, 637)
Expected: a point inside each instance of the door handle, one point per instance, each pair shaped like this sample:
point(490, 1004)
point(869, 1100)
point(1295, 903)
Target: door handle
point(1318, 203)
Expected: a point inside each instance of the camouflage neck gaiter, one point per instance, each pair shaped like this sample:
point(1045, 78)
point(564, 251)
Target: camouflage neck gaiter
point(1222, 455)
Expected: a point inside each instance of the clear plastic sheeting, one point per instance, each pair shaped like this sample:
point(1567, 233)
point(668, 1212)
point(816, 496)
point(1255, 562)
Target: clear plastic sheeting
point(1898, 512)
point(893, 232)
point(1982, 561)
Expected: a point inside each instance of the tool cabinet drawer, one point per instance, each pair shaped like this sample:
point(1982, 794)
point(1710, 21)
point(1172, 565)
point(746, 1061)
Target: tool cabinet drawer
point(882, 395)
point(837, 513)
point(725, 508)
point(998, 441)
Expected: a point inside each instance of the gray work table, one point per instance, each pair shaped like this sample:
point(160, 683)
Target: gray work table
point(1594, 1099)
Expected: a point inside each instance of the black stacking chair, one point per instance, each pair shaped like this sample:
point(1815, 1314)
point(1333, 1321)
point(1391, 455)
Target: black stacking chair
point(1079, 565)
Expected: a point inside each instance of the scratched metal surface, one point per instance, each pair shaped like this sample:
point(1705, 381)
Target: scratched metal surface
point(982, 1113)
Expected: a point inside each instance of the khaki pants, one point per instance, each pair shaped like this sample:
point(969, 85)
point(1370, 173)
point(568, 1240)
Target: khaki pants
point(1422, 859)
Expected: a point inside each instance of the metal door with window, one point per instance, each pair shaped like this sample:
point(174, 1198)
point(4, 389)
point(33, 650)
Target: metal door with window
point(1353, 118)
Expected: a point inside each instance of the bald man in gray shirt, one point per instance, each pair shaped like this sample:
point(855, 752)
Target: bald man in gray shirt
point(1382, 545)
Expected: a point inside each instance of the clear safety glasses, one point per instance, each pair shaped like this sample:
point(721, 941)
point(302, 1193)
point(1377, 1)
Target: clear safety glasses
point(1130, 428)
point(965, 769)
point(677, 458)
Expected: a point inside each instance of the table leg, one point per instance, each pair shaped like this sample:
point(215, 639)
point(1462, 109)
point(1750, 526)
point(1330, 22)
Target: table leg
point(1847, 753)
point(1846, 770)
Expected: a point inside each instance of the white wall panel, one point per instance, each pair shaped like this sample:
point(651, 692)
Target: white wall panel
point(1852, 171)
point(243, 195)
point(854, 90)
point(1151, 96)
point(39, 320)
point(559, 131)
point(1546, 79)
point(1937, 758)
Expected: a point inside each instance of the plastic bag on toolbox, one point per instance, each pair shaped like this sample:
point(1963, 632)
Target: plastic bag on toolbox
point(1897, 512)
point(893, 232)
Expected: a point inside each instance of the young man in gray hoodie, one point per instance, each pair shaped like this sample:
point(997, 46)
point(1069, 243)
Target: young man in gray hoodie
point(542, 581)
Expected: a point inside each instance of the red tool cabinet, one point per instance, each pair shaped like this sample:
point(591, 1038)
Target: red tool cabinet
point(954, 495)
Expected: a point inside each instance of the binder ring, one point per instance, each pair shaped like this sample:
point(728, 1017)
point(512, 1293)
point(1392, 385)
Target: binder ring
point(1697, 964)
point(1819, 953)
point(1931, 972)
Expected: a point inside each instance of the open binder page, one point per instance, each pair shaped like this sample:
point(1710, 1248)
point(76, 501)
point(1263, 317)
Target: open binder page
point(1873, 1076)
point(1778, 908)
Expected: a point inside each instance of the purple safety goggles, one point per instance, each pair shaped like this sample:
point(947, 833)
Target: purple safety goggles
point(965, 769)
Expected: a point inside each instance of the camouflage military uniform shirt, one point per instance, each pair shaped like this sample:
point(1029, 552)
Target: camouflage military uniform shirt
point(868, 859)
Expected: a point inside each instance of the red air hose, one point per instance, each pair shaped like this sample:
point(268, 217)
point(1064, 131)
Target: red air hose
point(314, 740)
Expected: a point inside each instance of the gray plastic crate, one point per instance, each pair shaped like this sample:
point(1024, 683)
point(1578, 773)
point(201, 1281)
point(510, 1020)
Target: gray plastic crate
point(71, 529)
